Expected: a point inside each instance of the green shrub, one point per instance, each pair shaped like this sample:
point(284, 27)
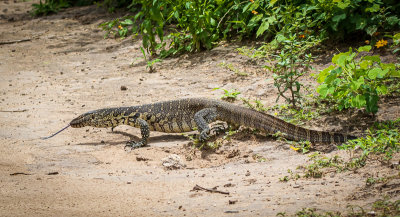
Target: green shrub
point(396, 42)
point(200, 24)
point(53, 6)
point(49, 6)
point(383, 138)
point(353, 82)
point(290, 64)
point(343, 18)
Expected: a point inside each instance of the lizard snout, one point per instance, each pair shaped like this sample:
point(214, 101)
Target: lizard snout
point(79, 121)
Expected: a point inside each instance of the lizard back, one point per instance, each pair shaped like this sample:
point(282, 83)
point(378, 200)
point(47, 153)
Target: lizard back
point(178, 116)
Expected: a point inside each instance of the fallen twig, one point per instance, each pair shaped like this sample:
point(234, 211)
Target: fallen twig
point(16, 41)
point(231, 211)
point(20, 173)
point(212, 190)
point(23, 110)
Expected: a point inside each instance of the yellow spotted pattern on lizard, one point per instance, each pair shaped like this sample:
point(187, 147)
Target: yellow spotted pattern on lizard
point(184, 115)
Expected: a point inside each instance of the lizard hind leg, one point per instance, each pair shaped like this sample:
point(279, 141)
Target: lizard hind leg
point(145, 131)
point(202, 119)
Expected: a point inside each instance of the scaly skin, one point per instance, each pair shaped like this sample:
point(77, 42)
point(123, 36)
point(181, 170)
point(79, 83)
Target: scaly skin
point(184, 115)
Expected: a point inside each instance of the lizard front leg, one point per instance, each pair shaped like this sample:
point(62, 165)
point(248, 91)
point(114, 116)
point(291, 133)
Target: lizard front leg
point(202, 119)
point(145, 131)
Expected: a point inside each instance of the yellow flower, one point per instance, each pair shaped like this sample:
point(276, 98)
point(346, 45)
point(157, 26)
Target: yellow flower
point(302, 36)
point(120, 27)
point(254, 12)
point(252, 1)
point(381, 43)
point(295, 149)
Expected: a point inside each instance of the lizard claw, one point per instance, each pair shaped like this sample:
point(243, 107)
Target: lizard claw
point(204, 136)
point(133, 145)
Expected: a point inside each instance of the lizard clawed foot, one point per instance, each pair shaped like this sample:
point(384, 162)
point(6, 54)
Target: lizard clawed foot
point(218, 129)
point(204, 136)
point(133, 145)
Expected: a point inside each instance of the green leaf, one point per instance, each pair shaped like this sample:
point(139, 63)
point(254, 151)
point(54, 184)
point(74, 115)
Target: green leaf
point(365, 64)
point(382, 90)
point(272, 2)
point(245, 8)
point(155, 14)
point(382, 73)
point(392, 20)
point(352, 65)
point(255, 19)
point(342, 60)
point(264, 26)
point(271, 20)
point(176, 14)
point(358, 101)
point(342, 5)
point(374, 8)
point(122, 32)
point(333, 75)
point(160, 33)
point(372, 103)
point(322, 75)
point(361, 22)
point(144, 53)
point(280, 38)
point(336, 57)
point(396, 36)
point(212, 21)
point(336, 19)
point(355, 84)
point(371, 30)
point(375, 59)
point(395, 73)
point(351, 56)
point(323, 90)
point(373, 73)
point(127, 22)
point(366, 48)
point(187, 5)
point(390, 66)
point(337, 82)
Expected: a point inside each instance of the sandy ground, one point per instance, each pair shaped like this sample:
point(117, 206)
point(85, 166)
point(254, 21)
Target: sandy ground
point(67, 68)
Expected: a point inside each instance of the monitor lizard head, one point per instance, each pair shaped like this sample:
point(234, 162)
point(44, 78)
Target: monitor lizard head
point(96, 118)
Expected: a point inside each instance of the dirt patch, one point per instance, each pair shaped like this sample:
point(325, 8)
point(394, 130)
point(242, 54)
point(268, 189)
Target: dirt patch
point(66, 68)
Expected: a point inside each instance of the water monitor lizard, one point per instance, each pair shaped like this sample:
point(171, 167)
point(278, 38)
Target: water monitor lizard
point(184, 115)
